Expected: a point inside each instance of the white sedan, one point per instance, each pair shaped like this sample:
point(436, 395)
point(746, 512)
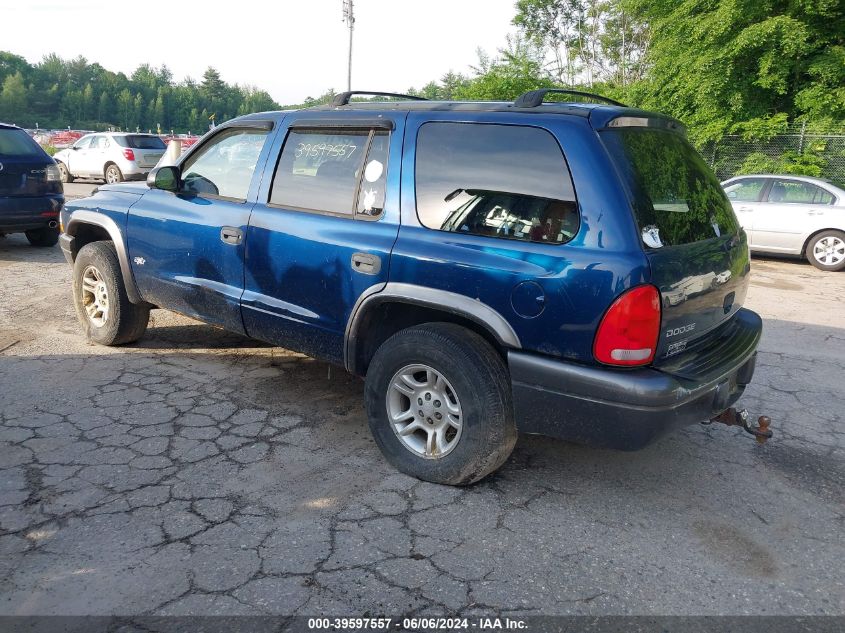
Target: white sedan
point(791, 215)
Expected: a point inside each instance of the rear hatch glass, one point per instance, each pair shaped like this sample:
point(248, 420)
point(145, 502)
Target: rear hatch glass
point(138, 141)
point(697, 252)
point(24, 165)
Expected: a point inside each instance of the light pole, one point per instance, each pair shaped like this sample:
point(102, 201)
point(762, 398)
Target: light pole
point(349, 18)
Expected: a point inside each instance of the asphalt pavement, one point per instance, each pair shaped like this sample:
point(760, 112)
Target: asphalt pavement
point(199, 472)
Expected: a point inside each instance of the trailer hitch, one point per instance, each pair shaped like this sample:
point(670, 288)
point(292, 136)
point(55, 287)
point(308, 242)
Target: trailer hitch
point(732, 417)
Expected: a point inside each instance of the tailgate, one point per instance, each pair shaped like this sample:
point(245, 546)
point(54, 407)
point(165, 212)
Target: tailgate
point(702, 285)
point(697, 252)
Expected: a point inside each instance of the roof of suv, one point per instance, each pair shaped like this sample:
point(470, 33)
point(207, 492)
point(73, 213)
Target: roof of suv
point(600, 111)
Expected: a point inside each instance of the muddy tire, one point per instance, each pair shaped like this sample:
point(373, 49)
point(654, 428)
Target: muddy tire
point(44, 237)
point(439, 404)
point(99, 295)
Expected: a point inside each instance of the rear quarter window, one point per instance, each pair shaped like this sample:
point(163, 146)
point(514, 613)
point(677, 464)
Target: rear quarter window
point(676, 198)
point(501, 181)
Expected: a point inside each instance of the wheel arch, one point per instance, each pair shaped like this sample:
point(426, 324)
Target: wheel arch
point(88, 226)
point(812, 236)
point(385, 309)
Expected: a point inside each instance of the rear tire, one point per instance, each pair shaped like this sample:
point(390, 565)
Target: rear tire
point(113, 174)
point(64, 173)
point(44, 237)
point(457, 375)
point(826, 251)
point(99, 295)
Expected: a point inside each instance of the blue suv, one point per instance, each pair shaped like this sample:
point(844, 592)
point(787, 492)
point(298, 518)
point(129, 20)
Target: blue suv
point(567, 269)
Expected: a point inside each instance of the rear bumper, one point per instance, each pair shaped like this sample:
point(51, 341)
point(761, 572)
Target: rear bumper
point(628, 409)
point(29, 212)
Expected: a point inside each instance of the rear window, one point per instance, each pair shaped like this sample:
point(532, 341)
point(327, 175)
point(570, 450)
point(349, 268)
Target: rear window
point(18, 143)
point(676, 197)
point(138, 141)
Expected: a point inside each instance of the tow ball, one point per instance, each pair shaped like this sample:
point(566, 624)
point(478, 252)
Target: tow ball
point(732, 417)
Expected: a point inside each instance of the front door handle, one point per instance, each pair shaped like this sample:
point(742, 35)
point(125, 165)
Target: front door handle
point(366, 263)
point(745, 209)
point(231, 235)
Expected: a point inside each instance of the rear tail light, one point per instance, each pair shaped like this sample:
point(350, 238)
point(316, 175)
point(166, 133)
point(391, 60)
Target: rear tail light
point(128, 154)
point(51, 174)
point(628, 333)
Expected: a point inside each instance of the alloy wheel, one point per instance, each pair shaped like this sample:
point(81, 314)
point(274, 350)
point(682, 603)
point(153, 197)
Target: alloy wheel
point(95, 296)
point(424, 411)
point(829, 250)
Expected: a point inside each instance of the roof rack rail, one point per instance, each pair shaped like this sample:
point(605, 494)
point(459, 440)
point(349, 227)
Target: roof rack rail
point(534, 98)
point(343, 98)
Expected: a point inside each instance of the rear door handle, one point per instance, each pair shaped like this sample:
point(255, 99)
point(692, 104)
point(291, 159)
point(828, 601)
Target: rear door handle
point(815, 212)
point(366, 263)
point(231, 235)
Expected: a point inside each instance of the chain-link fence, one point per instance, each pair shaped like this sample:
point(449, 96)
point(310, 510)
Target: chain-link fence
point(798, 151)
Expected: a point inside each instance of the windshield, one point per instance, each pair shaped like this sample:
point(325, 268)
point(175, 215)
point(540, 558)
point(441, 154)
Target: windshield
point(18, 143)
point(676, 197)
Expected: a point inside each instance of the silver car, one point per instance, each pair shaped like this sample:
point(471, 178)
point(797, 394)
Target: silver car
point(110, 156)
point(791, 215)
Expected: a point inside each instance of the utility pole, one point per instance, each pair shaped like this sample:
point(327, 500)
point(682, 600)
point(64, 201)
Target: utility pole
point(349, 18)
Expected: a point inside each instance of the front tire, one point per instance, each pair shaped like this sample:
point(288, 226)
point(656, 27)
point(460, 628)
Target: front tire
point(826, 251)
point(113, 174)
point(99, 295)
point(43, 237)
point(439, 404)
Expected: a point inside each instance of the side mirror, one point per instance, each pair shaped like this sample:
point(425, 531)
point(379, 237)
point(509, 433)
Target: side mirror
point(74, 147)
point(166, 178)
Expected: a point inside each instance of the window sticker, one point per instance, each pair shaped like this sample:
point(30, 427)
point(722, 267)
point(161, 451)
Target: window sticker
point(651, 236)
point(369, 200)
point(373, 171)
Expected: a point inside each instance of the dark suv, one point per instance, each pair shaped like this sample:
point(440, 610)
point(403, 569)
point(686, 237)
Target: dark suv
point(30, 188)
point(568, 269)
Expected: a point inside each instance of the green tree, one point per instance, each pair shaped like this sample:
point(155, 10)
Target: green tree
point(587, 41)
point(516, 70)
point(105, 109)
point(720, 64)
point(125, 109)
point(13, 99)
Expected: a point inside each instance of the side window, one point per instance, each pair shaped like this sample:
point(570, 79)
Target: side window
point(374, 182)
point(83, 143)
point(225, 165)
point(341, 172)
point(797, 192)
point(746, 190)
point(500, 181)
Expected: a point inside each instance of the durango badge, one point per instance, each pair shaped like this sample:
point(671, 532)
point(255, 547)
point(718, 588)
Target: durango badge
point(680, 330)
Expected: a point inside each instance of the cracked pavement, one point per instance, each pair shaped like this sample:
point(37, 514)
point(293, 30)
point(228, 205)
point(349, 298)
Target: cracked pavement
point(199, 472)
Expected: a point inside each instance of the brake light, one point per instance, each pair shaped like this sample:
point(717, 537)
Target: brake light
point(128, 154)
point(628, 333)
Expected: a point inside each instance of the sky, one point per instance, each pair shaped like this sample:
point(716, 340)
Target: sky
point(293, 49)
